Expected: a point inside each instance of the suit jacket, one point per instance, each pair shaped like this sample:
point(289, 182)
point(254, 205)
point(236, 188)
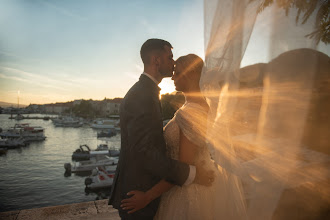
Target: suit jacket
point(143, 161)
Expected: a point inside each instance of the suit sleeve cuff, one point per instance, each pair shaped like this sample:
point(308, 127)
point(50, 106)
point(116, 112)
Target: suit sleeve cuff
point(191, 177)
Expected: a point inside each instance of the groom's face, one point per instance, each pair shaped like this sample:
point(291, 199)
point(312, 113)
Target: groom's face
point(166, 66)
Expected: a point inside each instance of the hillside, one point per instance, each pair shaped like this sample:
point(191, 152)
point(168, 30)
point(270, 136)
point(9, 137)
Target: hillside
point(7, 104)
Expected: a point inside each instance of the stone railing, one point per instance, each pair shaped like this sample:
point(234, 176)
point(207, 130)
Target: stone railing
point(98, 210)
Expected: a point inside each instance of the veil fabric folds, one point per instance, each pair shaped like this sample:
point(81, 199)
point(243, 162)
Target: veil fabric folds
point(267, 81)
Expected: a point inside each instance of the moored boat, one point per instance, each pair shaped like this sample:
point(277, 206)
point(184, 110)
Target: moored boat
point(87, 166)
point(107, 133)
point(67, 121)
point(12, 143)
point(105, 124)
point(29, 133)
point(85, 153)
point(3, 150)
point(100, 178)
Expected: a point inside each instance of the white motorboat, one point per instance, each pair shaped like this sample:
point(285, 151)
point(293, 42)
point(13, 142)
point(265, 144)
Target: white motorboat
point(67, 122)
point(100, 178)
point(85, 153)
point(105, 124)
point(29, 133)
point(88, 165)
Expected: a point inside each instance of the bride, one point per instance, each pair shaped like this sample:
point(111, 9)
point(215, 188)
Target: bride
point(185, 136)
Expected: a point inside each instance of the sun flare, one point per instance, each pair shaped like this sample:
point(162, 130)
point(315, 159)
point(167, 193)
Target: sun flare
point(167, 86)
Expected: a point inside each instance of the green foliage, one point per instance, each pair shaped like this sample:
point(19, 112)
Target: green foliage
point(170, 104)
point(84, 109)
point(307, 7)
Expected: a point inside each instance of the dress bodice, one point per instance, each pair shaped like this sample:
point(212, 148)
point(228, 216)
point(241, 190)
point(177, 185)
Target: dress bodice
point(172, 137)
point(197, 201)
point(191, 126)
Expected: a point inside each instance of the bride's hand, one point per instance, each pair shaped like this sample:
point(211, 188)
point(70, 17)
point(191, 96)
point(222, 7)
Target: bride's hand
point(138, 201)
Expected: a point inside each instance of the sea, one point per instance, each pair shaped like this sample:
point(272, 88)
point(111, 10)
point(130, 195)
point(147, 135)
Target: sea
point(34, 176)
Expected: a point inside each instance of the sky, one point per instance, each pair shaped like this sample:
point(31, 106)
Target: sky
point(59, 51)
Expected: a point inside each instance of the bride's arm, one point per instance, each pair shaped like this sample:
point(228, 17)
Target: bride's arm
point(139, 199)
point(187, 150)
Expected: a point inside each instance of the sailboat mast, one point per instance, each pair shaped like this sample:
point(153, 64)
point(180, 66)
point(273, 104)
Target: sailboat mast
point(18, 99)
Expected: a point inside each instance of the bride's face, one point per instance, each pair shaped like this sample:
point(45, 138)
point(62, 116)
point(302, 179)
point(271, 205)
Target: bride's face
point(179, 77)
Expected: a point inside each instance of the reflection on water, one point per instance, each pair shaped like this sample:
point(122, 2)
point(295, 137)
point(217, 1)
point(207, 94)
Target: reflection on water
point(33, 176)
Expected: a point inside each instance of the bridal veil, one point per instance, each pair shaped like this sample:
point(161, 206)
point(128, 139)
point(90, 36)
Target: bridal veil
point(267, 82)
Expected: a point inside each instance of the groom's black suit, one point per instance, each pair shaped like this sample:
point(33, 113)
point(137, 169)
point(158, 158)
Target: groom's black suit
point(143, 161)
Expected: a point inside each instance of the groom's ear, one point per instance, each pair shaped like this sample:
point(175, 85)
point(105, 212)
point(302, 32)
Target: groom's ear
point(156, 60)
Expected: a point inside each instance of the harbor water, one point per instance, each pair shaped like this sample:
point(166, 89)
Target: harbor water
point(33, 176)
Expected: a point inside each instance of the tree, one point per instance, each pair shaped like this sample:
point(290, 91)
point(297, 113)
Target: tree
point(171, 103)
point(307, 7)
point(84, 109)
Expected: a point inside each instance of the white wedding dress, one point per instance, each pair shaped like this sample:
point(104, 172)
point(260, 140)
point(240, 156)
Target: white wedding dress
point(193, 201)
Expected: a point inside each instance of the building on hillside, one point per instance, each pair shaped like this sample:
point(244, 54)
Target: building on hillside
point(110, 106)
point(77, 101)
point(57, 108)
point(106, 107)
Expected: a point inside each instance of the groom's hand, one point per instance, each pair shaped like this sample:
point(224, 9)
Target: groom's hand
point(138, 201)
point(203, 176)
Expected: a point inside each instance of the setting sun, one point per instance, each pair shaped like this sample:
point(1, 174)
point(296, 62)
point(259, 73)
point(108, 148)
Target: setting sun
point(167, 86)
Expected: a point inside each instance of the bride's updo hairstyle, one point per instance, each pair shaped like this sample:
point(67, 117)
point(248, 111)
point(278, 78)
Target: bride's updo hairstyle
point(193, 66)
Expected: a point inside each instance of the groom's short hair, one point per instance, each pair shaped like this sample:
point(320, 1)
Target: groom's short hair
point(150, 46)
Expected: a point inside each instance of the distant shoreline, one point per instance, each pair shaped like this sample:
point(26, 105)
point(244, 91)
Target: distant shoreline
point(14, 105)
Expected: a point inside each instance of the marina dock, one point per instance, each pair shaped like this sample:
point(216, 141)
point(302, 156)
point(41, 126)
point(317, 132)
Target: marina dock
point(33, 117)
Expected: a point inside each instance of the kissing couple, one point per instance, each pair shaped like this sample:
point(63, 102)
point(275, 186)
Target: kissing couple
point(165, 173)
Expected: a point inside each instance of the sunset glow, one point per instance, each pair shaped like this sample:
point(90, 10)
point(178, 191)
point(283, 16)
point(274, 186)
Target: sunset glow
point(56, 53)
point(167, 86)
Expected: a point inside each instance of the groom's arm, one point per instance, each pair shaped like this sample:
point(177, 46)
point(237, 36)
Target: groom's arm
point(187, 153)
point(140, 199)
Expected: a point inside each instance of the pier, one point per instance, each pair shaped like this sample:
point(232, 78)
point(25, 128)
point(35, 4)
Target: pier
point(97, 210)
point(21, 117)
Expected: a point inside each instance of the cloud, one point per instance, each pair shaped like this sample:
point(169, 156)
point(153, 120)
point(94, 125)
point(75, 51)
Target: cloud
point(139, 67)
point(150, 29)
point(32, 78)
point(63, 11)
point(15, 78)
point(135, 74)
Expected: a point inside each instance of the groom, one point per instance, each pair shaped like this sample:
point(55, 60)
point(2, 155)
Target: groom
point(143, 162)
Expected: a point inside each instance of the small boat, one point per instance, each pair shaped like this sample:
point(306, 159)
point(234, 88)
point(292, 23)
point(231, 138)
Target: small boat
point(107, 133)
point(12, 143)
point(87, 166)
point(67, 121)
point(105, 124)
point(3, 150)
point(17, 117)
point(29, 133)
point(100, 178)
point(85, 153)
